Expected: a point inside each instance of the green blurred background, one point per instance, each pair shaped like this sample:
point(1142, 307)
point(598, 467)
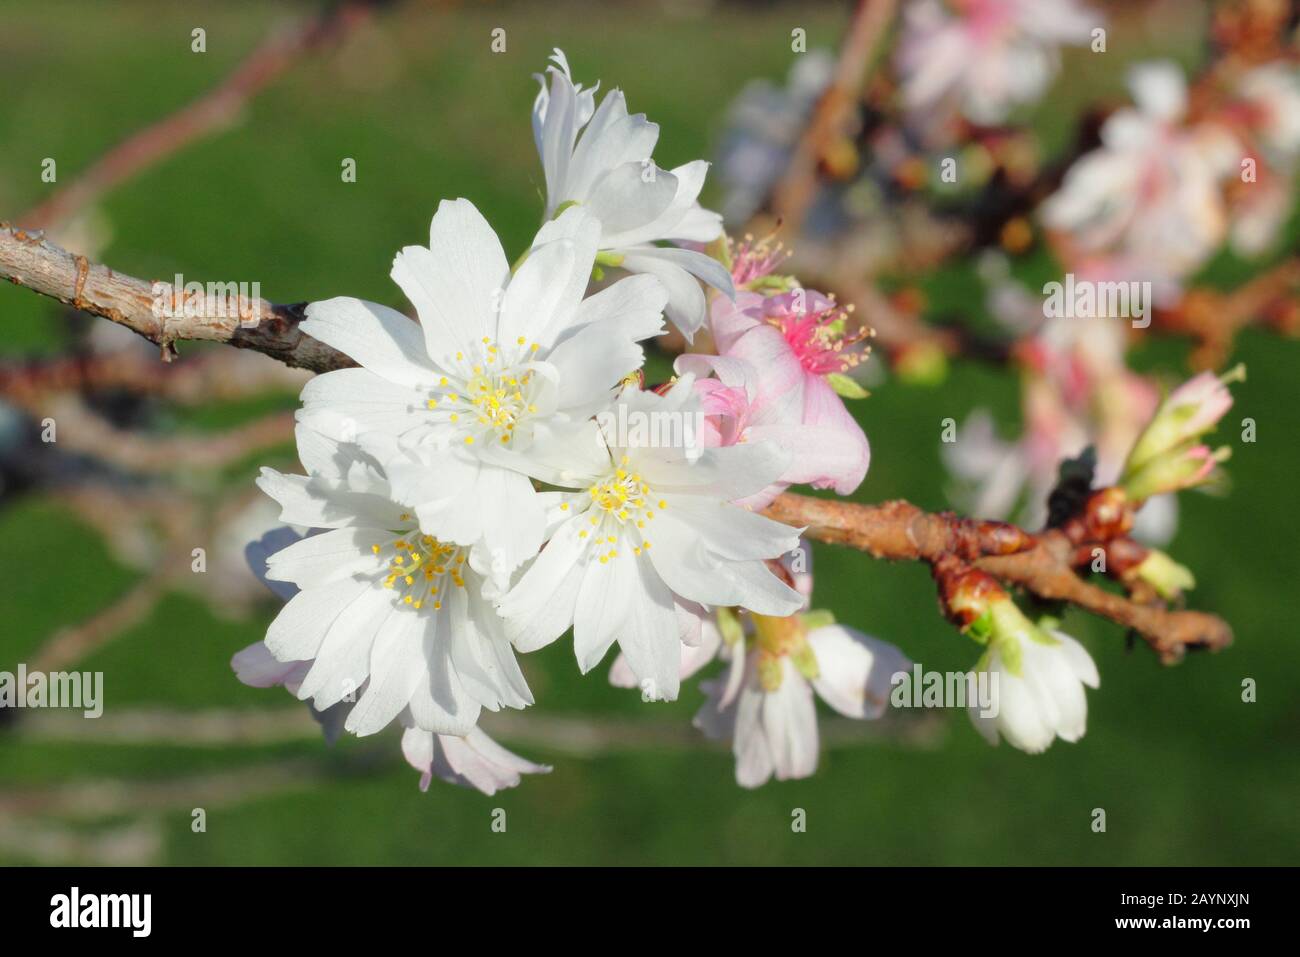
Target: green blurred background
point(1186, 772)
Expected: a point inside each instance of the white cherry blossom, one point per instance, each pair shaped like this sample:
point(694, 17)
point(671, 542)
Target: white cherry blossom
point(601, 159)
point(497, 382)
point(382, 604)
point(650, 531)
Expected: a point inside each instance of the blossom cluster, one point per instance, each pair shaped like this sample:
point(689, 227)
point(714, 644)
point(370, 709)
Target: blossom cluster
point(500, 474)
point(1167, 185)
point(473, 490)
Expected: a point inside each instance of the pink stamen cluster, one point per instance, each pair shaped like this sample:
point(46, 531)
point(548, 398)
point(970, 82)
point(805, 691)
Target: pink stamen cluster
point(753, 259)
point(818, 330)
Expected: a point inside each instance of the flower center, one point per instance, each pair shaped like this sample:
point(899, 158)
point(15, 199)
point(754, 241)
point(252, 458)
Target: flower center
point(421, 567)
point(490, 393)
point(619, 508)
point(777, 638)
point(754, 260)
point(820, 338)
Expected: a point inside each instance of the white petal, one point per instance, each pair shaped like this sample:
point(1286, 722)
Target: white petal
point(593, 360)
point(854, 670)
point(322, 455)
point(457, 283)
point(635, 303)
point(329, 557)
point(649, 634)
point(754, 760)
point(611, 139)
point(544, 292)
point(693, 573)
point(376, 337)
point(396, 664)
point(417, 748)
point(342, 663)
point(300, 627)
point(790, 726)
point(1080, 661)
point(452, 707)
point(558, 130)
point(732, 532)
point(318, 504)
point(726, 473)
point(627, 198)
point(678, 270)
point(484, 659)
point(348, 402)
point(607, 596)
point(540, 607)
point(1019, 719)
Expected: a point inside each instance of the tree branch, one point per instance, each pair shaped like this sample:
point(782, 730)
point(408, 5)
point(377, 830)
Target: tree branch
point(834, 112)
point(897, 530)
point(1040, 564)
point(28, 259)
point(206, 114)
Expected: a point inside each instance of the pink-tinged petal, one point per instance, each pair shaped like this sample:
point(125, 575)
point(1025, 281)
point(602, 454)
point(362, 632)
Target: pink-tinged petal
point(820, 456)
point(479, 762)
point(620, 673)
point(256, 667)
point(823, 408)
point(729, 320)
point(751, 746)
point(418, 749)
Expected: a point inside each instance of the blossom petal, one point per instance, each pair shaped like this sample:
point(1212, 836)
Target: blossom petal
point(678, 270)
point(376, 337)
point(649, 634)
point(300, 627)
point(396, 663)
point(328, 557)
point(457, 283)
point(854, 670)
point(348, 402)
point(790, 726)
point(627, 198)
point(541, 605)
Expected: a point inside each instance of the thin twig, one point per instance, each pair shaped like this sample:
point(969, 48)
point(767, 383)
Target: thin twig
point(561, 734)
point(1040, 564)
point(81, 430)
point(70, 645)
point(212, 111)
point(895, 530)
point(834, 112)
point(28, 259)
point(219, 375)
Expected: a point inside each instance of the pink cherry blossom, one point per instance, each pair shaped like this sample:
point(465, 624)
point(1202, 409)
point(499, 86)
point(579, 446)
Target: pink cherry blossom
point(770, 385)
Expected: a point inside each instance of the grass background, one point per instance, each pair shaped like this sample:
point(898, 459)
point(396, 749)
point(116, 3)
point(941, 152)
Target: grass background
point(1187, 772)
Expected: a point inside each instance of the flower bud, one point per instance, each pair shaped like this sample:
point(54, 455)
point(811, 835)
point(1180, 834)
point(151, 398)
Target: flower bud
point(1165, 575)
point(1183, 468)
point(1186, 414)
